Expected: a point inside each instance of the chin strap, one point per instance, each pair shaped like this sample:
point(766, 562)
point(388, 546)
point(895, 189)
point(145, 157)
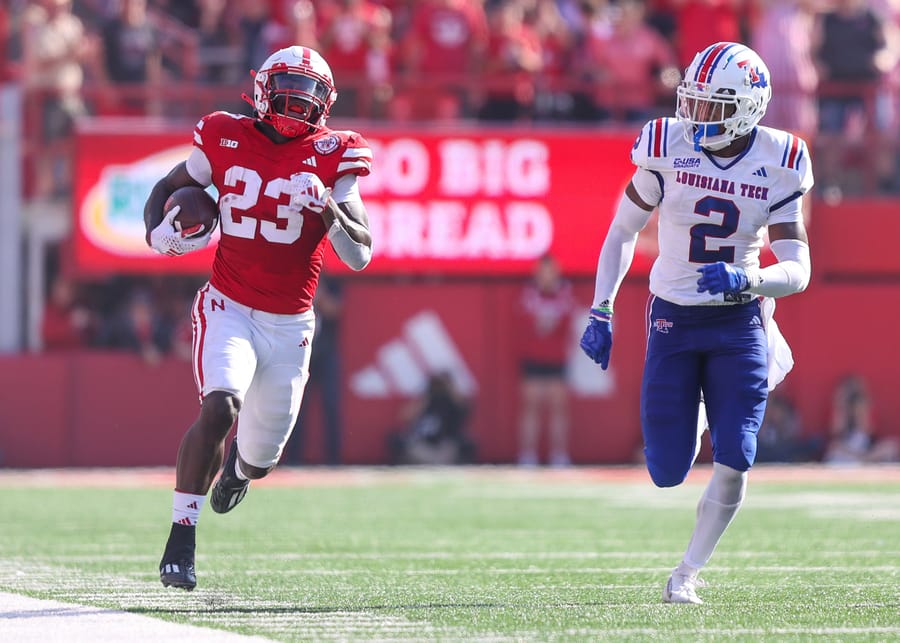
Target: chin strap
point(706, 131)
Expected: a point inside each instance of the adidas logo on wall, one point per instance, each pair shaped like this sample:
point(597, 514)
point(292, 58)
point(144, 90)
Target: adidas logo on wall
point(403, 365)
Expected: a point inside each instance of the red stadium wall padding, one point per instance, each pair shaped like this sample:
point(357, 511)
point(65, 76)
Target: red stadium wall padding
point(36, 420)
point(93, 409)
point(108, 409)
point(130, 413)
point(855, 239)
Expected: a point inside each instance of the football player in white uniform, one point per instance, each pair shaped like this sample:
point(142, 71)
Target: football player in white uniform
point(720, 181)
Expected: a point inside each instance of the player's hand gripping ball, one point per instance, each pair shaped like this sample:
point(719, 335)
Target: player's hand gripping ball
point(191, 216)
point(198, 215)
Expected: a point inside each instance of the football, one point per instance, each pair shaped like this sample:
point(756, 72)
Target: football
point(199, 213)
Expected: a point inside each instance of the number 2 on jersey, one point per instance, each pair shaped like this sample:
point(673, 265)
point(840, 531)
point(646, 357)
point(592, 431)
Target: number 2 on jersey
point(699, 253)
point(246, 226)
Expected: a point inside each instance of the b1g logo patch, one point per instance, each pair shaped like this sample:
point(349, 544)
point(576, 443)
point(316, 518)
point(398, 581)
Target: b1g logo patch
point(327, 144)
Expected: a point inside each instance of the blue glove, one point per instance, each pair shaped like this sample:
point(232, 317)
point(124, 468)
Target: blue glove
point(721, 277)
point(596, 342)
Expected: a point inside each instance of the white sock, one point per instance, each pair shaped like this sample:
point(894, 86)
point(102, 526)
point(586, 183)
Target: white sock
point(186, 508)
point(715, 511)
point(237, 468)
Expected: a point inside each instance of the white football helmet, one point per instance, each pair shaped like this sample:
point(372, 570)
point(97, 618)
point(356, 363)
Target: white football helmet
point(294, 91)
point(723, 96)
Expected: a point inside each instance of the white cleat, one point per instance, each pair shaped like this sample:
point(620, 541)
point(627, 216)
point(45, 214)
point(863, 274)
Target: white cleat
point(682, 588)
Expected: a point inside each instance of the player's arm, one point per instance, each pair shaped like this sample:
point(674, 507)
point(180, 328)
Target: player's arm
point(790, 245)
point(347, 222)
point(617, 252)
point(791, 274)
point(616, 256)
point(178, 177)
point(343, 213)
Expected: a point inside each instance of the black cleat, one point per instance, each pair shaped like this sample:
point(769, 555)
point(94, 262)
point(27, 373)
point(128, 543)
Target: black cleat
point(177, 566)
point(178, 573)
point(229, 490)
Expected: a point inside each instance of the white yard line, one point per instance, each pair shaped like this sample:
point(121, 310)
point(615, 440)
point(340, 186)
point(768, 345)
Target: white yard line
point(31, 620)
point(597, 634)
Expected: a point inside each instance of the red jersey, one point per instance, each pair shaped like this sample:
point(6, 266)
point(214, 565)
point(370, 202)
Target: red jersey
point(546, 326)
point(450, 35)
point(270, 253)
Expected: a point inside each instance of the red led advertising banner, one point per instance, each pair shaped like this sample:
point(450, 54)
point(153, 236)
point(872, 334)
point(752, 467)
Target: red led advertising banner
point(473, 202)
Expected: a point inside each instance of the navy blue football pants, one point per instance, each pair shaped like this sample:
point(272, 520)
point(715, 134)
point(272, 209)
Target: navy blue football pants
point(719, 351)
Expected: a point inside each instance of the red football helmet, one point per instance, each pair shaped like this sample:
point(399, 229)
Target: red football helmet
point(293, 90)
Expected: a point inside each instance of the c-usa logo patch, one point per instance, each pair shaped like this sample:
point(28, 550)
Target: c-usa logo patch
point(682, 163)
point(327, 144)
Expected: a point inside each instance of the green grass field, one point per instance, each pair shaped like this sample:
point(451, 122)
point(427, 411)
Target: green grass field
point(472, 555)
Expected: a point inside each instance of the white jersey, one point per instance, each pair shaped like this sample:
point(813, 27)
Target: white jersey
point(714, 208)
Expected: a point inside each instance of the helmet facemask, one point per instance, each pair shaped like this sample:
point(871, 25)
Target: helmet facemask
point(710, 117)
point(297, 102)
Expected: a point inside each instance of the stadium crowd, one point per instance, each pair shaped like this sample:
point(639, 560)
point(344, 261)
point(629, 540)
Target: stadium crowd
point(554, 61)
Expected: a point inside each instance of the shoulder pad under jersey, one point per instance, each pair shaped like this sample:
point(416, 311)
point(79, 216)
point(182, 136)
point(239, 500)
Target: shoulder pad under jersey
point(354, 150)
point(656, 143)
point(213, 127)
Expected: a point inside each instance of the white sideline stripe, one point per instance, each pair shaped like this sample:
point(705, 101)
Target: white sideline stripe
point(28, 620)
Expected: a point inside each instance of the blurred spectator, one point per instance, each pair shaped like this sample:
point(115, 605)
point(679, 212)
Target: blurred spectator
point(67, 323)
point(55, 45)
point(133, 55)
point(6, 69)
point(138, 326)
point(850, 47)
point(887, 107)
point(324, 376)
point(355, 39)
point(513, 60)
point(545, 311)
point(661, 16)
point(853, 434)
point(260, 33)
point(186, 12)
point(780, 436)
point(699, 23)
point(782, 36)
point(434, 427)
point(591, 23)
point(302, 24)
point(444, 47)
point(632, 66)
point(553, 98)
point(219, 55)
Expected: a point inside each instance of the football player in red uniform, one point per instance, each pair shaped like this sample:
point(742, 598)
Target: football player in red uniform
point(286, 182)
